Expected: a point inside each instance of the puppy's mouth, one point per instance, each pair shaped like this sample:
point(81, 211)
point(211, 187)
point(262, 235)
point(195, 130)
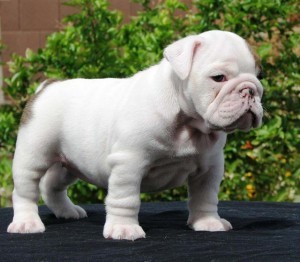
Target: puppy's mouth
point(245, 122)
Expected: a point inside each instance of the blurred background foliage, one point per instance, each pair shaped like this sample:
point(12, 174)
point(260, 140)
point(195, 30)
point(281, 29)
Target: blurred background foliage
point(95, 43)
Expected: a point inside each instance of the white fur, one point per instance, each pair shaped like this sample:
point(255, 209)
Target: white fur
point(152, 131)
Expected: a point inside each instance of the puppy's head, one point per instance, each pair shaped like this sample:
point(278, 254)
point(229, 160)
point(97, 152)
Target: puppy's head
point(219, 78)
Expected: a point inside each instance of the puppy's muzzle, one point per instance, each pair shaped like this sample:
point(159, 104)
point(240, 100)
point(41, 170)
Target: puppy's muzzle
point(237, 106)
point(249, 114)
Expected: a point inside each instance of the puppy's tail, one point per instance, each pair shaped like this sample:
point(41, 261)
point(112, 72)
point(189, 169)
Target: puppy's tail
point(45, 84)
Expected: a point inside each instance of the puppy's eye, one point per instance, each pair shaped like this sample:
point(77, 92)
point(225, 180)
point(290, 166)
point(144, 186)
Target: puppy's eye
point(219, 78)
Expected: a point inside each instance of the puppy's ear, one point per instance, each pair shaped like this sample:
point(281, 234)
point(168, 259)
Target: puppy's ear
point(180, 55)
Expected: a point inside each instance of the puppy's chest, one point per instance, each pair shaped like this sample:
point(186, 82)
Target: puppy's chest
point(187, 150)
point(168, 172)
point(185, 142)
point(188, 141)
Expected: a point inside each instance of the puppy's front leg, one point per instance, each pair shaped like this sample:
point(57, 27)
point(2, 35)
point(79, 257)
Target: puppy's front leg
point(123, 199)
point(203, 202)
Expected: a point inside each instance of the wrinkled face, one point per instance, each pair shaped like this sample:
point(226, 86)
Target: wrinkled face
point(236, 104)
point(223, 84)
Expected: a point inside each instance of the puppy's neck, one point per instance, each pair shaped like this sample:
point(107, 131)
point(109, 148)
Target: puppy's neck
point(200, 125)
point(195, 123)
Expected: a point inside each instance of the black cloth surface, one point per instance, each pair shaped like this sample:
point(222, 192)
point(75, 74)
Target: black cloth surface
point(262, 232)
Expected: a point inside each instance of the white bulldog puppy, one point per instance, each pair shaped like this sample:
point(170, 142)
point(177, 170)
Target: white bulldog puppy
point(155, 130)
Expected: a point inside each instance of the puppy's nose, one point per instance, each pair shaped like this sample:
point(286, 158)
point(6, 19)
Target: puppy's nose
point(247, 92)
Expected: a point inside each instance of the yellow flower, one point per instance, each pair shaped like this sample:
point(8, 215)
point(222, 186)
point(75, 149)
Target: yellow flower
point(250, 187)
point(287, 174)
point(251, 191)
point(283, 160)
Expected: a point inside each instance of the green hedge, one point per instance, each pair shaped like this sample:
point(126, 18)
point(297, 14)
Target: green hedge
point(94, 43)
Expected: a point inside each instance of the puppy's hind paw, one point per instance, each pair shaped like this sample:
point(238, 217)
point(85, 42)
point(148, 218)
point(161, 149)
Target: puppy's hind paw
point(70, 212)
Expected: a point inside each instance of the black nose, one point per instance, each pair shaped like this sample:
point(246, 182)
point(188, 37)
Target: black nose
point(251, 92)
point(247, 92)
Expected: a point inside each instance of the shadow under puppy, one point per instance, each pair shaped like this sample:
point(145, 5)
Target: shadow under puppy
point(155, 130)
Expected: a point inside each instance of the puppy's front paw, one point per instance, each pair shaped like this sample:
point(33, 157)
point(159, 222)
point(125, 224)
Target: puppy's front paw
point(212, 224)
point(26, 226)
point(119, 231)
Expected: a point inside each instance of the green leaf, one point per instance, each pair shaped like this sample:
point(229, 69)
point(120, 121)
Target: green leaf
point(264, 50)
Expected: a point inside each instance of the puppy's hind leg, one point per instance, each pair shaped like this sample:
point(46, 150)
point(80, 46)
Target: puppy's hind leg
point(28, 168)
point(53, 188)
